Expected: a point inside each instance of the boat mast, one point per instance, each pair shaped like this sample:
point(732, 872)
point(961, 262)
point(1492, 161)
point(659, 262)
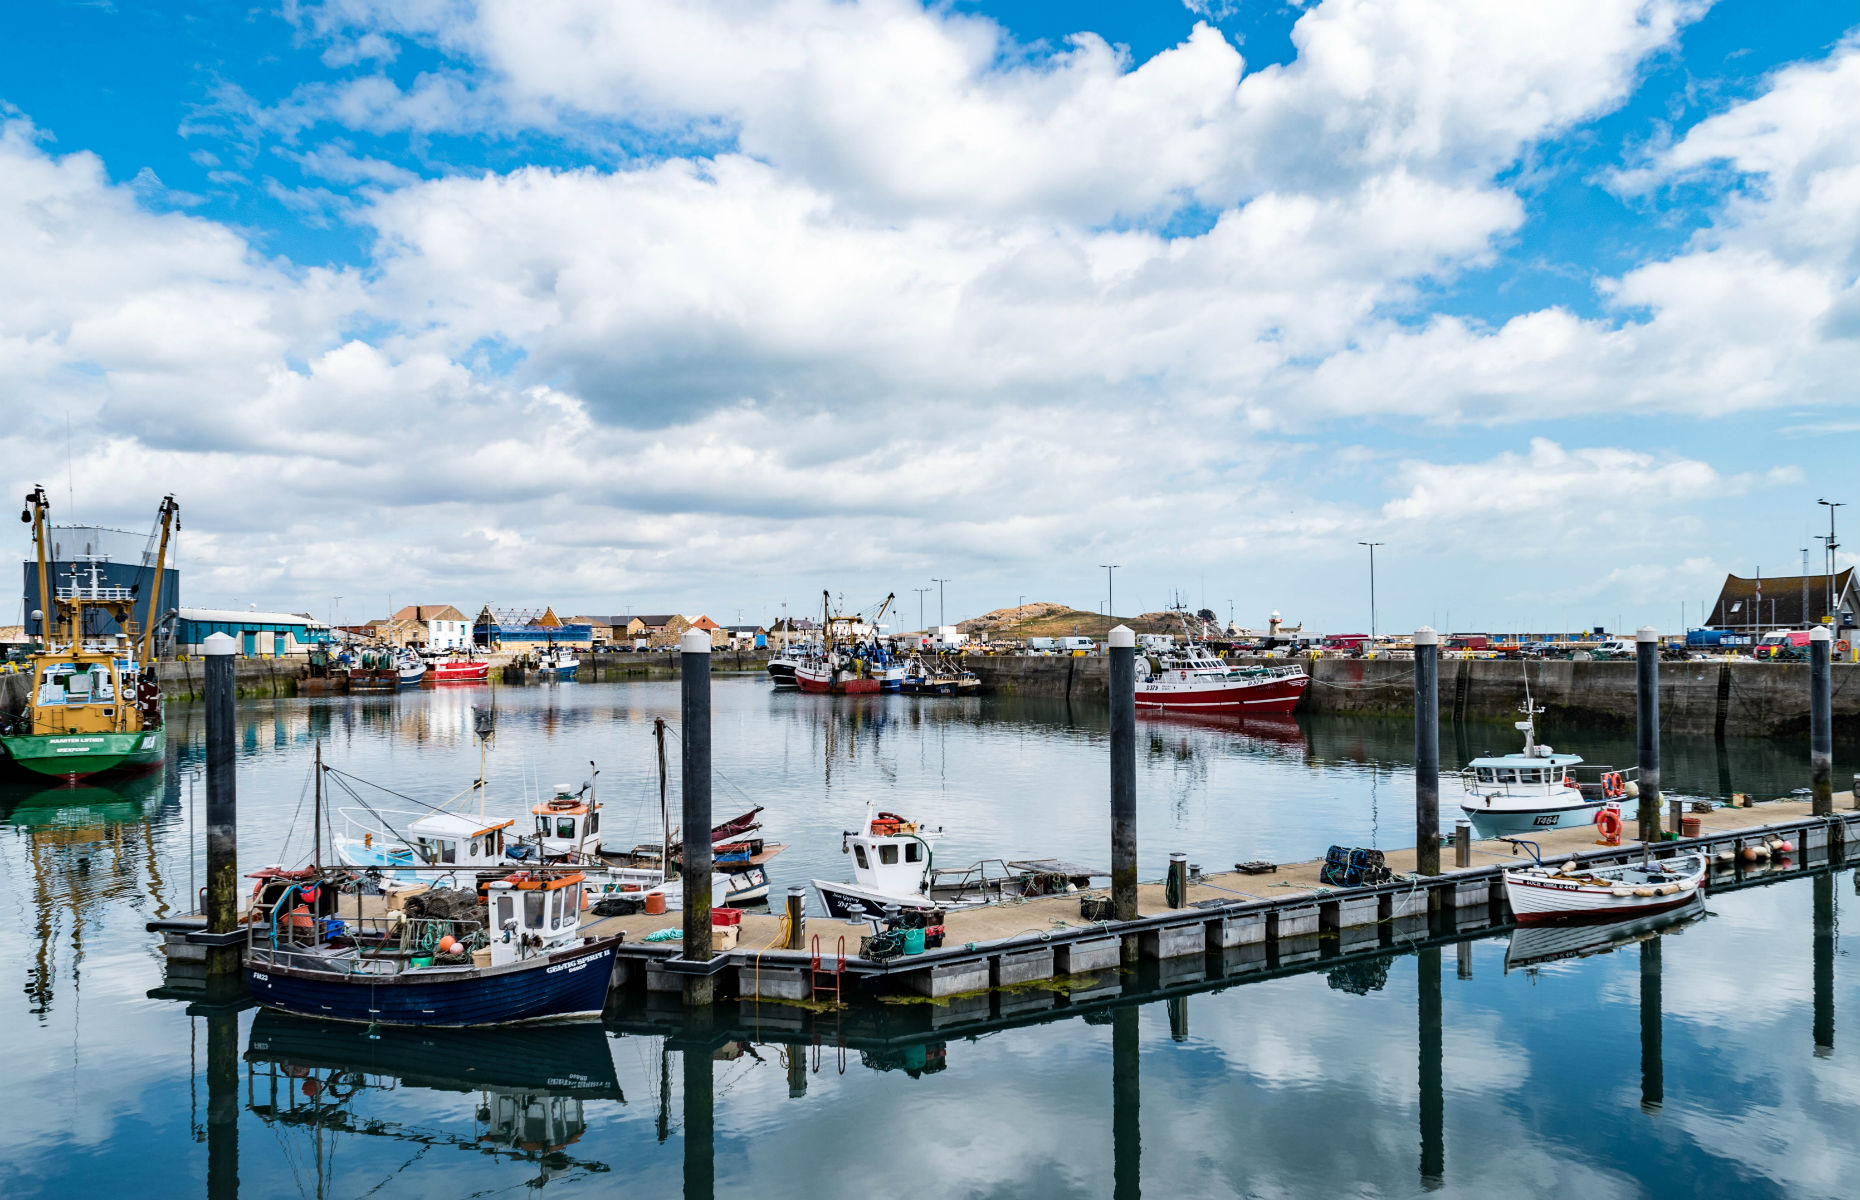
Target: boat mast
point(36, 506)
point(665, 820)
point(165, 516)
point(316, 830)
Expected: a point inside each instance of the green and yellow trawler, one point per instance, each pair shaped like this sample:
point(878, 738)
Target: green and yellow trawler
point(94, 704)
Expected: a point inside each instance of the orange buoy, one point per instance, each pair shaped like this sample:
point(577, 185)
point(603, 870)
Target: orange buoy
point(448, 944)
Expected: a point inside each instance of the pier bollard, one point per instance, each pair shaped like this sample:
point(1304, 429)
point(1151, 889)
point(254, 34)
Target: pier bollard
point(1427, 753)
point(222, 806)
point(1123, 652)
point(1647, 725)
point(1463, 952)
point(797, 924)
point(1652, 1060)
point(1178, 881)
point(1675, 816)
point(694, 732)
point(1821, 721)
point(1462, 842)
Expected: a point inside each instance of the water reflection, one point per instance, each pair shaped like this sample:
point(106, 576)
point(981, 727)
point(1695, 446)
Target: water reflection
point(530, 1088)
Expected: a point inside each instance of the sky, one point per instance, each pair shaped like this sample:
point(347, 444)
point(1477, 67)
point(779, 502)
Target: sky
point(715, 305)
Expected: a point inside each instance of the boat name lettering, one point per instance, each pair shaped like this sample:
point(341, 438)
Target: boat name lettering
point(261, 977)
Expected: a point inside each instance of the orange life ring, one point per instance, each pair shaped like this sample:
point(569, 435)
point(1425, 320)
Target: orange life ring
point(1841, 646)
point(1611, 785)
point(1608, 823)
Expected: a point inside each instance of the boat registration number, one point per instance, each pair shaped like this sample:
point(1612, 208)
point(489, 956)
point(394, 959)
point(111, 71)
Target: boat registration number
point(1549, 819)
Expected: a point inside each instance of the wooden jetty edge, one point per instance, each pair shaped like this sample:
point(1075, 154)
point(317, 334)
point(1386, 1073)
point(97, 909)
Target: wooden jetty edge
point(1021, 942)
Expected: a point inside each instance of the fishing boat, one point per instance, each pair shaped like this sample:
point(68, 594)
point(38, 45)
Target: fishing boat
point(1191, 677)
point(850, 660)
point(782, 667)
point(1572, 892)
point(557, 662)
point(894, 865)
point(1537, 788)
point(938, 675)
point(458, 668)
point(372, 669)
point(94, 703)
point(409, 668)
point(525, 961)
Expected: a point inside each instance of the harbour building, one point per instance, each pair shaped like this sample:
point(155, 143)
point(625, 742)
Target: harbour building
point(1787, 602)
point(528, 629)
point(255, 634)
point(94, 555)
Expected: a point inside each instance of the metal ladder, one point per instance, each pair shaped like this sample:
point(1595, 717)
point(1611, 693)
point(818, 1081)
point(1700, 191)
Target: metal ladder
point(834, 975)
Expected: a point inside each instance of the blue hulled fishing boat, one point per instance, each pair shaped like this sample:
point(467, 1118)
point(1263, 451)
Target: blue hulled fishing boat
point(440, 962)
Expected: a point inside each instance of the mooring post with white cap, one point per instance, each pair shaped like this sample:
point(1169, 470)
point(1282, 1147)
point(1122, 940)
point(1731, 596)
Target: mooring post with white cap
point(222, 807)
point(694, 722)
point(1124, 780)
point(797, 920)
point(1821, 720)
point(1427, 752)
point(1647, 723)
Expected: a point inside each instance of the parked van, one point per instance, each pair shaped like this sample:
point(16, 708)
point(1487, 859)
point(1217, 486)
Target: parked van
point(1042, 645)
point(1075, 645)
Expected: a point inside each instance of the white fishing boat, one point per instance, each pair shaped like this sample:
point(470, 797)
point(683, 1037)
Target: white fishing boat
point(1541, 943)
point(1537, 789)
point(1572, 892)
point(409, 668)
point(557, 662)
point(894, 864)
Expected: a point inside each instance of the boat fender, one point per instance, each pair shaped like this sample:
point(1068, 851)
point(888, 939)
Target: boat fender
point(1631, 790)
point(1644, 892)
point(1569, 868)
point(1621, 892)
point(1785, 847)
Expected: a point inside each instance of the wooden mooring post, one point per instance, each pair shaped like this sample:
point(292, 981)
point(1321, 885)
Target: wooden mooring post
point(694, 734)
point(1123, 650)
point(1647, 728)
point(1821, 722)
point(1427, 755)
point(222, 911)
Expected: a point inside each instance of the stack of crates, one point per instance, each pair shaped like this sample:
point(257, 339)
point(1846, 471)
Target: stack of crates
point(1348, 866)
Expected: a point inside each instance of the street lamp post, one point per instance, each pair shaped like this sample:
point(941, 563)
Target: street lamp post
point(1110, 593)
point(939, 601)
point(920, 606)
point(1832, 547)
point(1372, 586)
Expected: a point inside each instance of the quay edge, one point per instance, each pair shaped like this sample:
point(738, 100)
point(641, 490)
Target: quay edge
point(1706, 698)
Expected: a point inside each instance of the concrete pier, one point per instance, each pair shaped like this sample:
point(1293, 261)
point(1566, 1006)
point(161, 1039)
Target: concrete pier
point(1276, 922)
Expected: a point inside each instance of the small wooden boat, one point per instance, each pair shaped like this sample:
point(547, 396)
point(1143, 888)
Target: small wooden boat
point(1538, 944)
point(1569, 891)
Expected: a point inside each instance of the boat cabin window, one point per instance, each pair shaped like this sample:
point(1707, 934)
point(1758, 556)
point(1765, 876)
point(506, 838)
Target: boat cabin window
point(1507, 775)
point(565, 827)
point(594, 822)
point(555, 907)
point(1485, 775)
point(914, 852)
point(1530, 775)
point(505, 910)
point(859, 857)
point(533, 910)
point(476, 847)
point(888, 855)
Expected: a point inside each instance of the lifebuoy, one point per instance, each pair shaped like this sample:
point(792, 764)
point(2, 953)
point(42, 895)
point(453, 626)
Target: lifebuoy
point(1612, 786)
point(1842, 646)
point(1608, 823)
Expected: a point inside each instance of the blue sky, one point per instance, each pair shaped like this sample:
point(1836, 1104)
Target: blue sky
point(712, 305)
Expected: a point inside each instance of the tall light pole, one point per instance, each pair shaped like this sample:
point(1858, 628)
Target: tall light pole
point(920, 605)
point(1832, 547)
point(1110, 593)
point(939, 600)
point(1372, 586)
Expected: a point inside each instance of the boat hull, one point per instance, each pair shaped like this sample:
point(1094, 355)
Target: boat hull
point(1501, 822)
point(566, 985)
point(1280, 695)
point(75, 755)
point(1536, 896)
point(475, 672)
point(781, 673)
point(823, 685)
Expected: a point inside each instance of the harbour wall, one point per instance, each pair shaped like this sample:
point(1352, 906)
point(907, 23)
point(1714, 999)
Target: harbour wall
point(1711, 698)
point(186, 680)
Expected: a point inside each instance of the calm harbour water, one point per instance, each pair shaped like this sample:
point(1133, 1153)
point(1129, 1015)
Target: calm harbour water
point(1432, 1071)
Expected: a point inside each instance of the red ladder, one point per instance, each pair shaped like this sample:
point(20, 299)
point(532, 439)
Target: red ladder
point(834, 975)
